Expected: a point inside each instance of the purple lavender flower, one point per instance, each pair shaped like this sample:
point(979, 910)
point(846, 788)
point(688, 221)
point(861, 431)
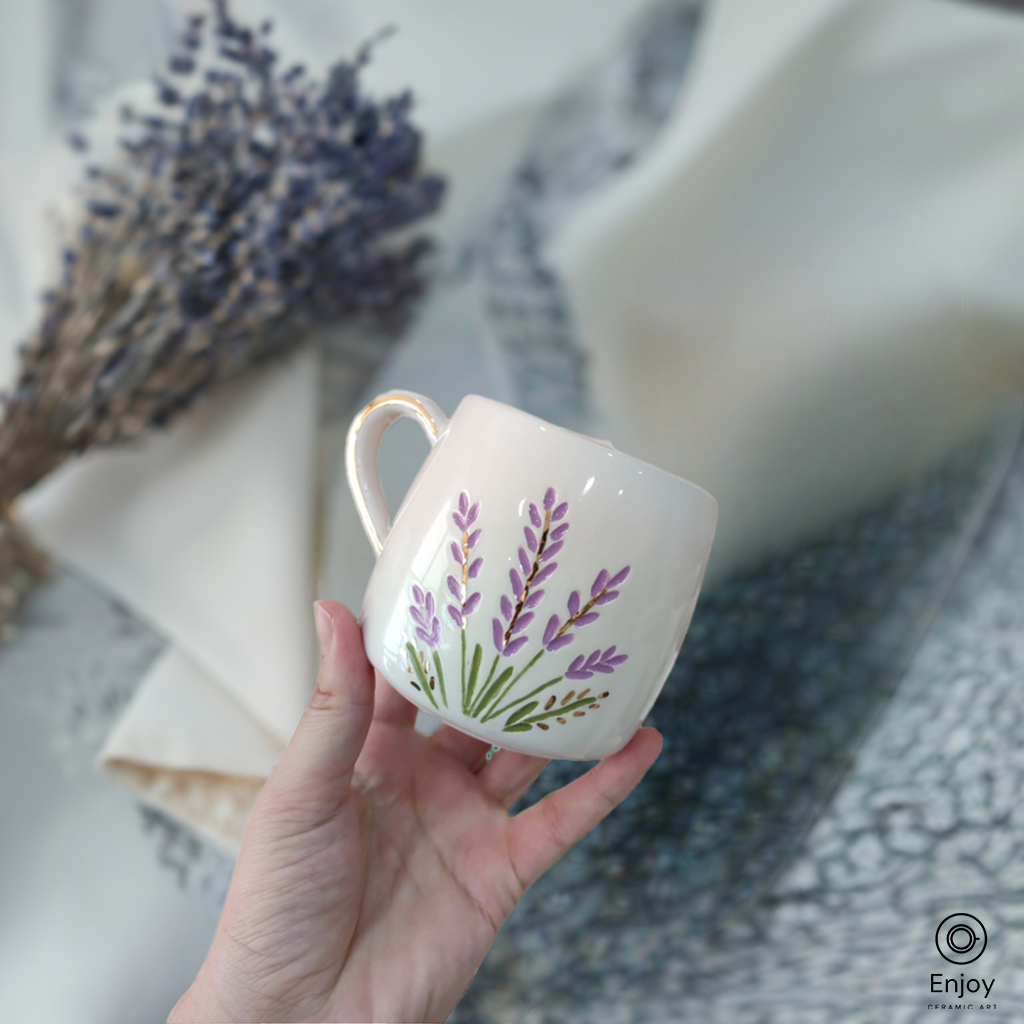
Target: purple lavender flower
point(424, 614)
point(469, 567)
point(603, 591)
point(259, 204)
point(543, 541)
point(583, 667)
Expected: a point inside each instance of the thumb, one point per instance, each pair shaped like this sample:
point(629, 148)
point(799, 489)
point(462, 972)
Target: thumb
point(312, 778)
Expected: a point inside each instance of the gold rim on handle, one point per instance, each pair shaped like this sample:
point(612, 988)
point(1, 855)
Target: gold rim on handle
point(362, 450)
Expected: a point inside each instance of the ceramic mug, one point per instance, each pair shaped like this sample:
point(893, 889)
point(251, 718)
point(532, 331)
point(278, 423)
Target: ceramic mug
point(536, 585)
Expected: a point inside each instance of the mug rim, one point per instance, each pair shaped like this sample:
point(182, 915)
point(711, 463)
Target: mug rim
point(590, 440)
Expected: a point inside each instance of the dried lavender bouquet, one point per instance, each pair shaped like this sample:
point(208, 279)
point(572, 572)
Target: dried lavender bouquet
point(253, 205)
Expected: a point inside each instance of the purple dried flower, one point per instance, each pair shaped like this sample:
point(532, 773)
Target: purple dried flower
point(259, 206)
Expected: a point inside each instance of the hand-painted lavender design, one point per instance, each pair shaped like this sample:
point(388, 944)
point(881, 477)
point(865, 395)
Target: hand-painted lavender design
point(423, 613)
point(469, 568)
point(584, 667)
point(603, 591)
point(510, 638)
point(544, 538)
point(559, 634)
point(465, 518)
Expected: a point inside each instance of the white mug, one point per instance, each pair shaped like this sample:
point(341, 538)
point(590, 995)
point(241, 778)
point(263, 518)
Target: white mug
point(536, 585)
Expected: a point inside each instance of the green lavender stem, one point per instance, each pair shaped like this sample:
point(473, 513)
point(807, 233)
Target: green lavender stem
point(440, 677)
point(474, 675)
point(518, 700)
point(463, 669)
point(515, 679)
point(553, 713)
point(472, 711)
point(489, 692)
point(420, 674)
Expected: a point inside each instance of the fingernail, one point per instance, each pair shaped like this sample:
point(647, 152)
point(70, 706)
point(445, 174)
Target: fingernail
point(324, 627)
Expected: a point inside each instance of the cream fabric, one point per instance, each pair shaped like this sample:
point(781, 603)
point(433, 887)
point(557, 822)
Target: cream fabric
point(814, 286)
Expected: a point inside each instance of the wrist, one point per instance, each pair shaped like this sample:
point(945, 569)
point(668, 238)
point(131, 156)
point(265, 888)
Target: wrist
point(199, 1003)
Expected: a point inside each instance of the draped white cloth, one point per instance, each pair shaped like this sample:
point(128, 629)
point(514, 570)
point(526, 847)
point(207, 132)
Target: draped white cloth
point(809, 288)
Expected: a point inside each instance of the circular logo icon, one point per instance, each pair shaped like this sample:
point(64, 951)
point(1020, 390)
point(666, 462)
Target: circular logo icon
point(961, 938)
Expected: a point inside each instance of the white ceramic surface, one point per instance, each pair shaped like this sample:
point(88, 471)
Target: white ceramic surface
point(536, 585)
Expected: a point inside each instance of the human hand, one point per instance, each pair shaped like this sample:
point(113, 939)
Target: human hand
point(379, 863)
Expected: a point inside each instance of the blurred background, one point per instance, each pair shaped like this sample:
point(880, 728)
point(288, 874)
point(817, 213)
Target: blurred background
point(778, 250)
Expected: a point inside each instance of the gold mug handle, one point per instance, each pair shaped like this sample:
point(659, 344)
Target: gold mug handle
point(362, 454)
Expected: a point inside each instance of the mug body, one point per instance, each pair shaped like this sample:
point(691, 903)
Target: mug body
point(536, 585)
